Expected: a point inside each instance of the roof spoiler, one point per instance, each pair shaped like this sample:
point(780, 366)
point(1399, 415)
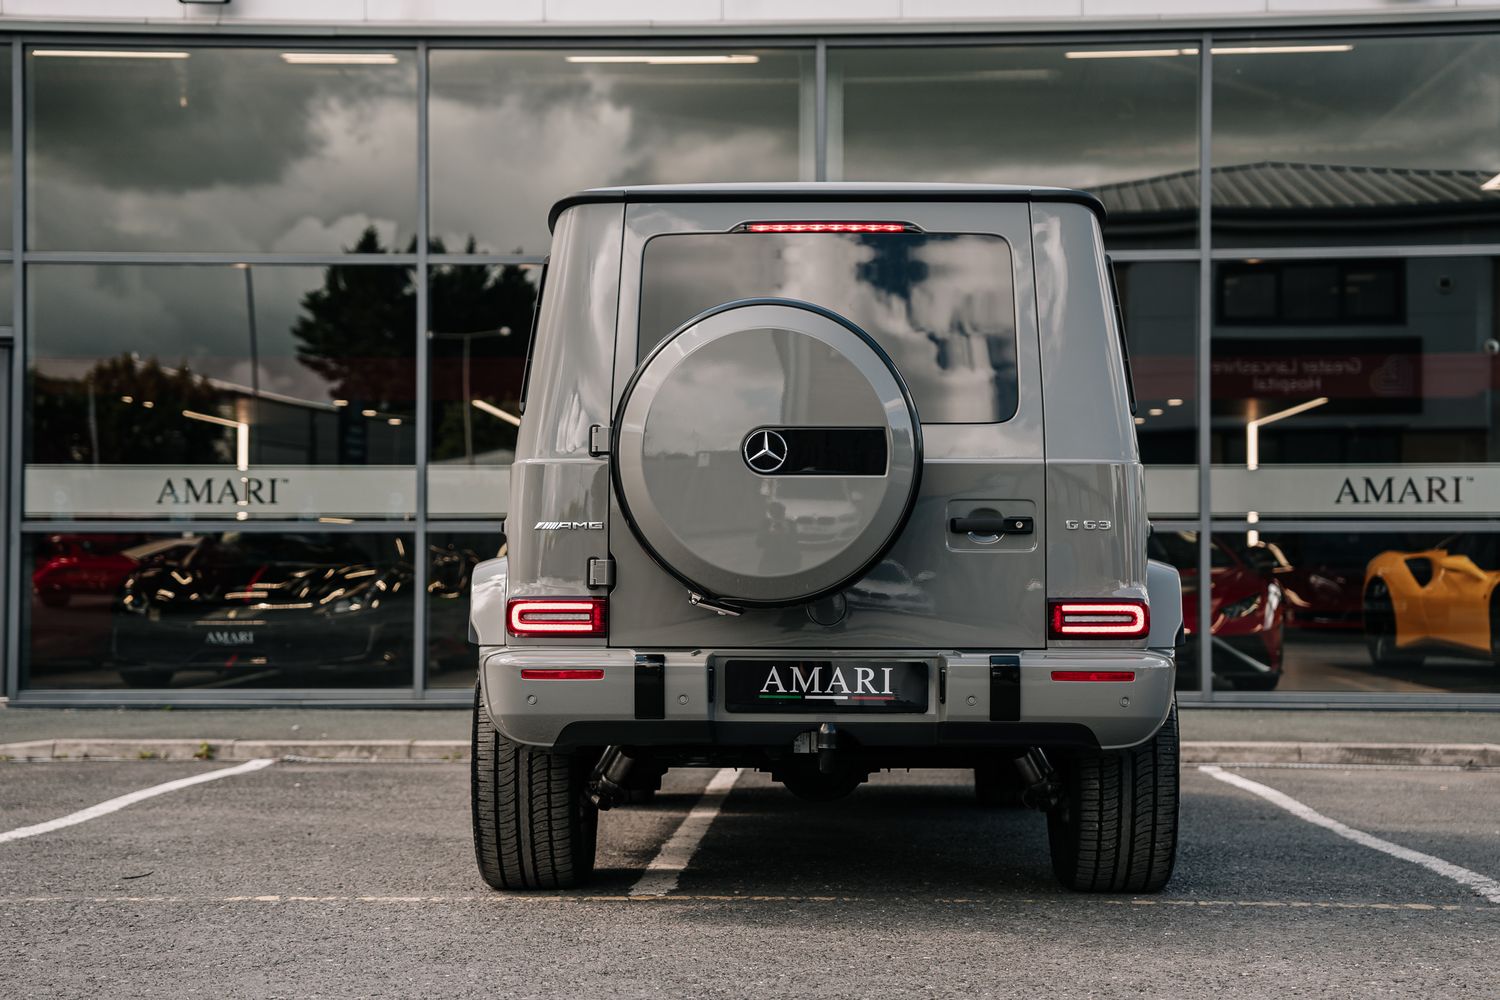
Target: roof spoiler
point(822, 193)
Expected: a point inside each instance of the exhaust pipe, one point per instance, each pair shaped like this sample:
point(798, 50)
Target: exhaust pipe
point(1040, 787)
point(606, 785)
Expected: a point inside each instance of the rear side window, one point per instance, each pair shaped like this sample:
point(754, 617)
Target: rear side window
point(941, 305)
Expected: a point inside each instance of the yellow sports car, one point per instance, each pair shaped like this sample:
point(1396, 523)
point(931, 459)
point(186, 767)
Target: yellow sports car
point(1443, 599)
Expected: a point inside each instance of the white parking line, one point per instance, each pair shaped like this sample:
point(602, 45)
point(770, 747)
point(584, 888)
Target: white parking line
point(116, 804)
point(662, 873)
point(1481, 885)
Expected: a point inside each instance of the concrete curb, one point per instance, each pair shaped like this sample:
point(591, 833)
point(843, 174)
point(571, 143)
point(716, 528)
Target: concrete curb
point(453, 751)
point(1402, 754)
point(210, 748)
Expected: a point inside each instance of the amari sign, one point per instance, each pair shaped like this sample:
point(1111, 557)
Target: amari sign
point(1357, 491)
point(221, 491)
point(1401, 491)
point(208, 491)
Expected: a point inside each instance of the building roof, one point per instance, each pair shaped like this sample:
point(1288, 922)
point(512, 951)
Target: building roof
point(824, 191)
point(1272, 187)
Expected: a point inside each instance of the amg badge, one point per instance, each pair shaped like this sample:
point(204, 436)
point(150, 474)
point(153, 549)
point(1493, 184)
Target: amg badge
point(569, 526)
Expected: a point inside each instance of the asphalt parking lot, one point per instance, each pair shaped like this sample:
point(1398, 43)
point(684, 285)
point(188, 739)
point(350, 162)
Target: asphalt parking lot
point(333, 880)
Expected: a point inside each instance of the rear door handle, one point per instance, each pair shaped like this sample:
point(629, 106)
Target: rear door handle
point(990, 524)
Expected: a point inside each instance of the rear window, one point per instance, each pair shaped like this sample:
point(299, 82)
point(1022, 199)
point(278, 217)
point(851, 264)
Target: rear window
point(941, 305)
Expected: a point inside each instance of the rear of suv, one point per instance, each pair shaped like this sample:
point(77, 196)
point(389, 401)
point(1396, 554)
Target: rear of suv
point(821, 479)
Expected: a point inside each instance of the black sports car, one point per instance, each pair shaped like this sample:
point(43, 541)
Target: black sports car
point(243, 602)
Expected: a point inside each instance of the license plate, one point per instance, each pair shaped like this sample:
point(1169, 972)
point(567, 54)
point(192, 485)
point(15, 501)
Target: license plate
point(862, 686)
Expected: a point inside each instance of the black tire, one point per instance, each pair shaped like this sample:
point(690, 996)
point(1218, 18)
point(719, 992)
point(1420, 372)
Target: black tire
point(1116, 829)
point(1380, 629)
point(533, 826)
point(146, 677)
point(53, 598)
point(1260, 682)
point(998, 784)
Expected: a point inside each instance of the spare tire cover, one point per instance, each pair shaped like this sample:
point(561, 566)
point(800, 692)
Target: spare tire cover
point(767, 453)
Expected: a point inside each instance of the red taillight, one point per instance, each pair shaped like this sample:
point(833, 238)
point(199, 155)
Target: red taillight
point(1099, 619)
point(580, 616)
point(574, 674)
point(1106, 676)
point(827, 227)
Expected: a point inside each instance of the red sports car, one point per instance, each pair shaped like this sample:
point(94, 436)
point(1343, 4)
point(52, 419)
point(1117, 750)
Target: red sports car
point(1248, 610)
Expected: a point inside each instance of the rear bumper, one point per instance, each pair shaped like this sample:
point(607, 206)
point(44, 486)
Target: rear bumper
point(690, 701)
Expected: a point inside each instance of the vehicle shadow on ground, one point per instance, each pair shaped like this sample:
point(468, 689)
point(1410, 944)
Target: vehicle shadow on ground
point(938, 842)
point(932, 840)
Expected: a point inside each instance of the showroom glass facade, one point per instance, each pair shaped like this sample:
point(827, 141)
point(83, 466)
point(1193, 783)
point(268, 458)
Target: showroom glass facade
point(266, 305)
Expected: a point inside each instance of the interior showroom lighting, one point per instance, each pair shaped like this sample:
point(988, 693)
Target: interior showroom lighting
point(107, 54)
point(692, 60)
point(1218, 50)
point(1128, 53)
point(1252, 428)
point(495, 411)
point(241, 435)
point(340, 58)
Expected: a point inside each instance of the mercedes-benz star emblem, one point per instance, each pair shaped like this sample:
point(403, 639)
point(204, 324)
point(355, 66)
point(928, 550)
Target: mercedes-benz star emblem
point(765, 451)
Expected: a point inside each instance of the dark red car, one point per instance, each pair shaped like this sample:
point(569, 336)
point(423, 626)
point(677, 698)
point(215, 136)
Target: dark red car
point(1248, 609)
point(69, 566)
point(1325, 583)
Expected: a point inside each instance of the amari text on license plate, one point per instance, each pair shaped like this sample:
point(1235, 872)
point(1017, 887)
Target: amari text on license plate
point(791, 685)
point(229, 637)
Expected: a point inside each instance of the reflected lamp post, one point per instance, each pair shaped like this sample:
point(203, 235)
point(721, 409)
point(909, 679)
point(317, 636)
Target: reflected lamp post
point(254, 342)
point(467, 339)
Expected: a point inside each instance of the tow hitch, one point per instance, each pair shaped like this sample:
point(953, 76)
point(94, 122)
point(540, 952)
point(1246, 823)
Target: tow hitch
point(822, 741)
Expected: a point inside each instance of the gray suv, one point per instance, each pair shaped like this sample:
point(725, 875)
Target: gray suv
point(820, 479)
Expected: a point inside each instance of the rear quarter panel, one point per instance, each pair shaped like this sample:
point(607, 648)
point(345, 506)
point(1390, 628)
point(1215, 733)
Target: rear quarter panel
point(555, 478)
point(1096, 525)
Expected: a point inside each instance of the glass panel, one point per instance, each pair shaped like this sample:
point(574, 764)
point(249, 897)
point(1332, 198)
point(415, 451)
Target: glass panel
point(1345, 611)
point(1108, 119)
point(452, 661)
point(7, 298)
point(1159, 302)
point(221, 149)
point(7, 174)
point(1357, 387)
point(481, 322)
point(218, 390)
point(1180, 549)
point(1364, 141)
point(942, 306)
point(219, 609)
point(511, 132)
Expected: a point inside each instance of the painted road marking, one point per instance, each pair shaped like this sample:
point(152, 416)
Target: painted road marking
point(116, 804)
point(1481, 885)
point(663, 871)
point(688, 898)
